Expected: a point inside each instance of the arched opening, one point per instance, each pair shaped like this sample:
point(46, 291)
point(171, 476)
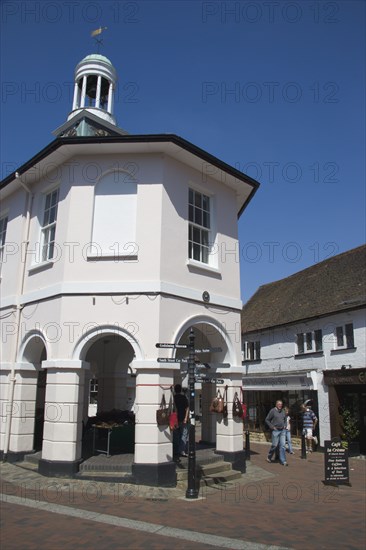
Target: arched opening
point(34, 353)
point(210, 365)
point(109, 397)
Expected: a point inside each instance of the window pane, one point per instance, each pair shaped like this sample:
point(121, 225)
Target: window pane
point(196, 252)
point(198, 199)
point(196, 235)
point(198, 216)
point(309, 341)
point(300, 343)
point(258, 350)
point(190, 213)
point(318, 340)
point(206, 219)
point(204, 238)
point(339, 335)
point(349, 336)
point(206, 202)
point(3, 226)
point(205, 252)
point(190, 196)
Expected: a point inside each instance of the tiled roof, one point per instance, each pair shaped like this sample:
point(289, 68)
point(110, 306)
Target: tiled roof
point(330, 286)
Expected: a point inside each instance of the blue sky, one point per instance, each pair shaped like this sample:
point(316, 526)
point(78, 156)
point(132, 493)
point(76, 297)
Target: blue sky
point(274, 88)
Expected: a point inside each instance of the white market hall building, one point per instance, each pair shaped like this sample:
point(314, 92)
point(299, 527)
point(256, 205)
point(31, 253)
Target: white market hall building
point(111, 243)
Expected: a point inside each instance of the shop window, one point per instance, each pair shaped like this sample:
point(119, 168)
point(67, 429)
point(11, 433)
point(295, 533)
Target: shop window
point(252, 351)
point(309, 342)
point(344, 336)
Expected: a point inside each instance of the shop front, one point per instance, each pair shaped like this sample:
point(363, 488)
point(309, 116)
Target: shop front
point(347, 405)
point(262, 391)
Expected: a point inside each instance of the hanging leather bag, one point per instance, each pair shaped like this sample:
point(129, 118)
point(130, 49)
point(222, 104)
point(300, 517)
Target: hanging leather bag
point(217, 404)
point(237, 406)
point(225, 410)
point(162, 414)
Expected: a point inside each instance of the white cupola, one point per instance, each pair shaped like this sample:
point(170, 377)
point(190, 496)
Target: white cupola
point(95, 81)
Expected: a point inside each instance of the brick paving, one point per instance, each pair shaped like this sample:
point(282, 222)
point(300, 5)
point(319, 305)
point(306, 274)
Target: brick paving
point(271, 505)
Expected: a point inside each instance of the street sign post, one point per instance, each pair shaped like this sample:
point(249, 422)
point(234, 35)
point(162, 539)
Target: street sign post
point(192, 491)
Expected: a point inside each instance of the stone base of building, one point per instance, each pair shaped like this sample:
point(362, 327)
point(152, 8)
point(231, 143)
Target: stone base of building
point(14, 457)
point(58, 468)
point(155, 475)
point(237, 459)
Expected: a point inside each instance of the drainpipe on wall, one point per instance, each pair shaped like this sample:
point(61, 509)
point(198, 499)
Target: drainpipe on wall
point(28, 209)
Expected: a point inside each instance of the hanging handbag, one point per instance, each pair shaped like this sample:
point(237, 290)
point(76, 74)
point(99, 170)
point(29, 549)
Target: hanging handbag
point(243, 405)
point(225, 410)
point(237, 406)
point(217, 404)
point(162, 414)
point(173, 415)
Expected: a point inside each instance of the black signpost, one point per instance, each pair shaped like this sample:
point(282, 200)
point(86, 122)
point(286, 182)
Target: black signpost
point(192, 491)
point(336, 467)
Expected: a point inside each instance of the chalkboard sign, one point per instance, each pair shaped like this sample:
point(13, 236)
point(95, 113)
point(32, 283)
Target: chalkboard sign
point(336, 463)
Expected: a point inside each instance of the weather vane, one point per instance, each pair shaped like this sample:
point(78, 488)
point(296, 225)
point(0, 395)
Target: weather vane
point(95, 34)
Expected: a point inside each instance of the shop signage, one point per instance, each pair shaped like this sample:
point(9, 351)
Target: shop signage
point(279, 382)
point(336, 467)
point(346, 376)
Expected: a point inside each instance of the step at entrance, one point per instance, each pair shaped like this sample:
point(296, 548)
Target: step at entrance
point(208, 475)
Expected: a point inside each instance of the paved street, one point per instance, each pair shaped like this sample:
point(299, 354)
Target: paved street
point(272, 506)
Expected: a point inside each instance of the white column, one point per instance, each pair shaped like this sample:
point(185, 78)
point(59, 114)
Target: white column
point(208, 426)
point(23, 410)
point(97, 97)
point(63, 413)
point(76, 93)
point(110, 98)
point(230, 430)
point(83, 92)
point(153, 443)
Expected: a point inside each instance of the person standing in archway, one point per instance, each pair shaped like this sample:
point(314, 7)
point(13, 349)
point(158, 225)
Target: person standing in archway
point(180, 434)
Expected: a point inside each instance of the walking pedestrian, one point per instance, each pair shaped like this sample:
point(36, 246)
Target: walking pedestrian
point(309, 422)
point(275, 420)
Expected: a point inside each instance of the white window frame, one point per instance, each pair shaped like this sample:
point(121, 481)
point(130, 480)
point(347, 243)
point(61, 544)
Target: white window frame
point(310, 342)
point(3, 229)
point(201, 227)
point(93, 391)
point(48, 228)
point(252, 350)
point(344, 337)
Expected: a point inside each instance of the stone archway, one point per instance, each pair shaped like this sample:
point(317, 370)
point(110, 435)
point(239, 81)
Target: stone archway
point(208, 334)
point(32, 385)
point(110, 387)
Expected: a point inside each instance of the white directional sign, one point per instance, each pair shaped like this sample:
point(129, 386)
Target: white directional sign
point(171, 346)
point(168, 360)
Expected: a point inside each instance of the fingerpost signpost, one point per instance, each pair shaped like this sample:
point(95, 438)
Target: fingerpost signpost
point(192, 491)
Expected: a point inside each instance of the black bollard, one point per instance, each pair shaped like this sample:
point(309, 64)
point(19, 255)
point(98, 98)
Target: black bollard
point(247, 445)
point(303, 446)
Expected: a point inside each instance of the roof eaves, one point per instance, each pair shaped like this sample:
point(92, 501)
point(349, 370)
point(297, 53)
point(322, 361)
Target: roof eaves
point(138, 138)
